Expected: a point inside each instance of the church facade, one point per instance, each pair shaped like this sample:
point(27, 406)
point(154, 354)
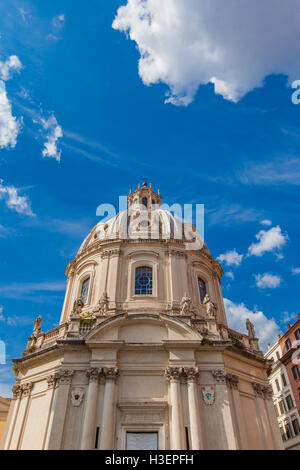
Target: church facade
point(143, 357)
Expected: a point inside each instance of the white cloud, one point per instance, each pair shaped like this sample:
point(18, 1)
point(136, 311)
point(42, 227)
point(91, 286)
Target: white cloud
point(267, 281)
point(19, 290)
point(234, 45)
point(14, 201)
point(1, 313)
point(266, 222)
point(266, 328)
point(57, 25)
point(269, 240)
point(53, 133)
point(12, 64)
point(10, 126)
point(231, 258)
point(276, 172)
point(295, 270)
point(229, 274)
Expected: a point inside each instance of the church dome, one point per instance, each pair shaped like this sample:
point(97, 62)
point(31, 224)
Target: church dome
point(145, 258)
point(145, 218)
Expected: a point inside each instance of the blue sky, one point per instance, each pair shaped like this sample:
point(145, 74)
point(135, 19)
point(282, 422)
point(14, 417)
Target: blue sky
point(88, 110)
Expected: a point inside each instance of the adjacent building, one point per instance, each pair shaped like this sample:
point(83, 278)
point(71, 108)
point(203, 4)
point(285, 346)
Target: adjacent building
point(143, 357)
point(283, 398)
point(4, 407)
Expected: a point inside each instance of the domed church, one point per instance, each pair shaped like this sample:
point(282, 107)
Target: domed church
point(143, 357)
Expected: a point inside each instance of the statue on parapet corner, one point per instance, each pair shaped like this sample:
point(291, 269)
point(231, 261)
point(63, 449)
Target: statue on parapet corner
point(185, 305)
point(210, 307)
point(250, 328)
point(37, 329)
point(78, 306)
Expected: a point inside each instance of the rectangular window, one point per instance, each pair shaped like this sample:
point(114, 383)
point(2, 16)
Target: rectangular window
point(277, 385)
point(277, 355)
point(143, 281)
point(283, 380)
point(289, 402)
point(297, 334)
point(296, 426)
point(288, 344)
point(296, 372)
point(288, 431)
point(281, 407)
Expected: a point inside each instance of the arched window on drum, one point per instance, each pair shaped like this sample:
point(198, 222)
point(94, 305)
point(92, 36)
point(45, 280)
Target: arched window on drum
point(143, 281)
point(85, 290)
point(202, 289)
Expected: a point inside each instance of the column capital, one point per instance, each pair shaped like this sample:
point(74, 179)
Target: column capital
point(93, 374)
point(64, 376)
point(17, 391)
point(26, 388)
point(219, 375)
point(173, 373)
point(258, 389)
point(268, 392)
point(51, 381)
point(191, 373)
point(232, 380)
point(111, 372)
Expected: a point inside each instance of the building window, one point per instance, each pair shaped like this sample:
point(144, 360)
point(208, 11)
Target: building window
point(283, 380)
point(281, 407)
point(289, 402)
point(288, 431)
point(297, 334)
point(145, 202)
point(282, 433)
point(85, 290)
point(288, 344)
point(277, 385)
point(296, 372)
point(277, 355)
point(202, 289)
point(296, 426)
point(143, 281)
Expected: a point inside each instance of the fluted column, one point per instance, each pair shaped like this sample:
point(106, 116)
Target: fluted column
point(17, 395)
point(108, 414)
point(88, 431)
point(26, 392)
point(192, 374)
point(60, 406)
point(173, 375)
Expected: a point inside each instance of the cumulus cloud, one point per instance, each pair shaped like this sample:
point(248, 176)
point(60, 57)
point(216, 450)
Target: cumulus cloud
point(14, 201)
point(268, 241)
point(233, 45)
point(10, 126)
point(295, 271)
point(12, 64)
point(231, 258)
point(266, 328)
point(53, 133)
point(267, 281)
